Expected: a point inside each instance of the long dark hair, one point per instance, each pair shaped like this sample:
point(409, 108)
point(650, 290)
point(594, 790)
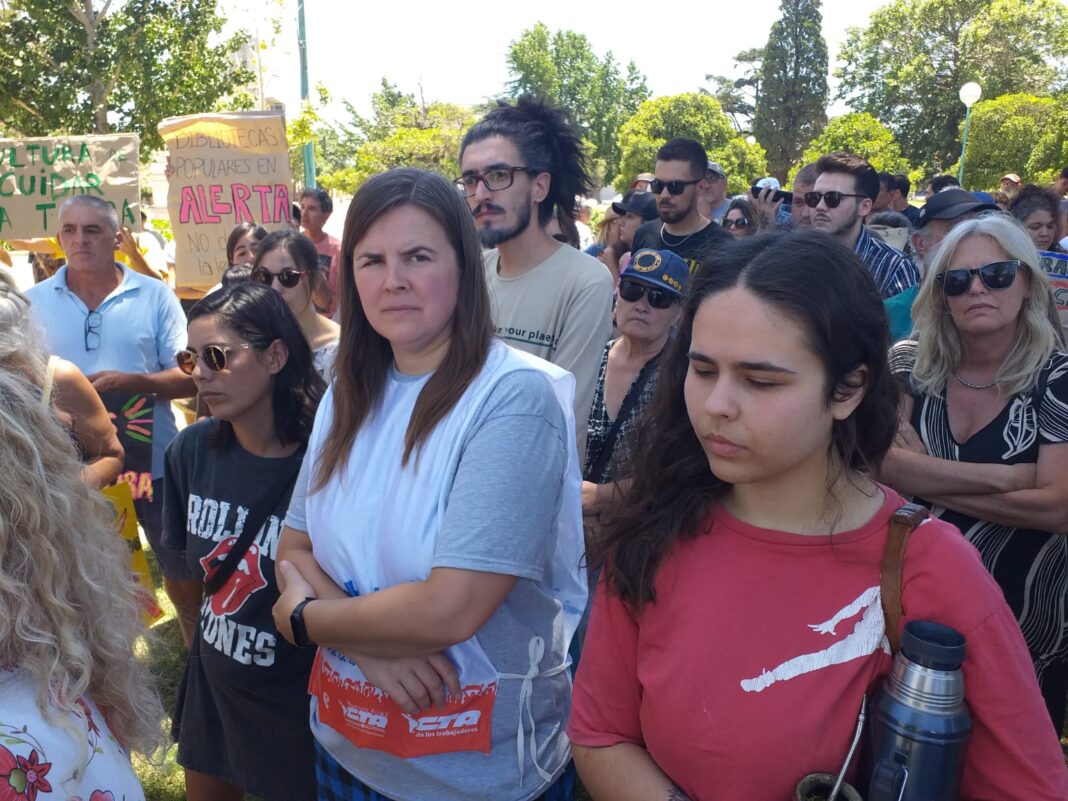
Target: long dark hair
point(259, 316)
point(813, 279)
point(364, 356)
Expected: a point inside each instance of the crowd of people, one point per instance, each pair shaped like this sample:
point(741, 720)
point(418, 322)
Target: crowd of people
point(488, 498)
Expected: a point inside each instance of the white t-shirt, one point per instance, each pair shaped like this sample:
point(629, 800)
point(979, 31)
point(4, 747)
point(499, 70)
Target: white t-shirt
point(39, 753)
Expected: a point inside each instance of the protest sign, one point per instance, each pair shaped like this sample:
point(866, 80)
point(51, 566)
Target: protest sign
point(126, 524)
point(38, 174)
point(132, 416)
point(1056, 267)
point(228, 169)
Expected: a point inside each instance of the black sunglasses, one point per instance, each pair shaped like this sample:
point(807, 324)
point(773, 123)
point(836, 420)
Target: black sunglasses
point(288, 277)
point(996, 275)
point(495, 180)
point(632, 292)
point(92, 330)
point(214, 356)
point(741, 222)
point(833, 199)
point(656, 186)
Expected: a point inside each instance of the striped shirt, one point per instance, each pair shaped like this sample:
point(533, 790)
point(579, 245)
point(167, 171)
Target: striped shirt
point(891, 269)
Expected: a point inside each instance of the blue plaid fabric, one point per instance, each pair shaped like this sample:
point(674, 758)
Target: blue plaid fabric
point(892, 270)
point(337, 784)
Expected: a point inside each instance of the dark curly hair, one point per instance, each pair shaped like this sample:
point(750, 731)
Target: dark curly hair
point(547, 142)
point(809, 277)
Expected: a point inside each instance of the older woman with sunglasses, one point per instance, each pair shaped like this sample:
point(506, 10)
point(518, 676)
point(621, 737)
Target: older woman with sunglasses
point(647, 309)
point(289, 262)
point(241, 716)
point(983, 436)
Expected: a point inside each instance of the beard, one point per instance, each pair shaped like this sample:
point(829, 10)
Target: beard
point(673, 215)
point(492, 237)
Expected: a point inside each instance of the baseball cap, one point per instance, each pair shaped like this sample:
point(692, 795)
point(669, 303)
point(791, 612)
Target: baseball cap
point(950, 204)
point(660, 268)
point(1012, 177)
point(636, 202)
point(768, 183)
point(715, 169)
point(645, 176)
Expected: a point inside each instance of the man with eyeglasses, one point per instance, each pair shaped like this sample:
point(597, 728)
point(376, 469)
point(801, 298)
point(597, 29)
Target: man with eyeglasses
point(122, 330)
point(840, 200)
point(681, 165)
point(519, 164)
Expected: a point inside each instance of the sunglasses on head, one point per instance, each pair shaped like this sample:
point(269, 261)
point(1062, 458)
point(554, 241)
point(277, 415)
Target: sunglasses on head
point(288, 277)
point(741, 222)
point(214, 356)
point(632, 292)
point(656, 186)
point(996, 275)
point(833, 199)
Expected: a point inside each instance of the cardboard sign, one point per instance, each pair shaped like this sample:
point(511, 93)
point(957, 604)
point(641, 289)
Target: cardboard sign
point(126, 524)
point(38, 174)
point(228, 169)
point(132, 416)
point(1056, 267)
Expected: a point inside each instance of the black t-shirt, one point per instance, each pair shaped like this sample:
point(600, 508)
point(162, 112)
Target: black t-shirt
point(242, 708)
point(696, 248)
point(913, 215)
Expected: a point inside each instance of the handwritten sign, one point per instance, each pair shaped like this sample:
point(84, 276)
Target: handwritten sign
point(126, 524)
point(1056, 267)
point(37, 175)
point(228, 169)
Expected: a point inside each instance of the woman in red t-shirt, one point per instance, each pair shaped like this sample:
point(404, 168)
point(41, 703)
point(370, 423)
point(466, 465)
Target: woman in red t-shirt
point(738, 623)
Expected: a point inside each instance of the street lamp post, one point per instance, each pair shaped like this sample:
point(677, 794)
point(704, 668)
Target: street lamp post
point(302, 43)
point(969, 95)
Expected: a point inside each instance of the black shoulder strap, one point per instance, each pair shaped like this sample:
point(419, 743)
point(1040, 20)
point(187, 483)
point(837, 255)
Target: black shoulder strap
point(219, 572)
point(625, 409)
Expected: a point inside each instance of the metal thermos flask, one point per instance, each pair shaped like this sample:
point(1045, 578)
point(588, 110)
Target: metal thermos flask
point(920, 724)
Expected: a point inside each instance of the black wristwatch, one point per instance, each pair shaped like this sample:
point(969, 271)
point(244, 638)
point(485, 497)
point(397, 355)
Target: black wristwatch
point(296, 623)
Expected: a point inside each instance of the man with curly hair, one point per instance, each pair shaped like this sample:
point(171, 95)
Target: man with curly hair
point(519, 164)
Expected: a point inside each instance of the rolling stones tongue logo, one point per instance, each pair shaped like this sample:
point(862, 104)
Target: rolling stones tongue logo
point(247, 579)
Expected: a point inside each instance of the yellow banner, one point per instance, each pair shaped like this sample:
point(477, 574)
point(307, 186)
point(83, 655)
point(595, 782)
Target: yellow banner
point(38, 174)
point(126, 524)
point(228, 169)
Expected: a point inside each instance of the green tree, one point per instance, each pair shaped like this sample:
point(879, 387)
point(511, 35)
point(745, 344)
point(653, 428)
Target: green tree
point(402, 132)
point(793, 100)
point(862, 135)
point(95, 67)
point(1050, 154)
point(738, 96)
point(696, 116)
point(1002, 135)
point(562, 68)
point(908, 65)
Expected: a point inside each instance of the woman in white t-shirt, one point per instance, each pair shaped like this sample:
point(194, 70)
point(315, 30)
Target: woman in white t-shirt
point(433, 544)
point(73, 699)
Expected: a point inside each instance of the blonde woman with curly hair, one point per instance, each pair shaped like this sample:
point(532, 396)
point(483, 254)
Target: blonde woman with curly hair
point(73, 699)
point(983, 436)
point(60, 383)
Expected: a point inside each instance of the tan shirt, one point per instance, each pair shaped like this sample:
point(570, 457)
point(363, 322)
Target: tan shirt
point(560, 311)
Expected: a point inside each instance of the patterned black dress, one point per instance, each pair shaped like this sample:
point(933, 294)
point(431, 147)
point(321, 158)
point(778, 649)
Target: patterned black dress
point(1031, 566)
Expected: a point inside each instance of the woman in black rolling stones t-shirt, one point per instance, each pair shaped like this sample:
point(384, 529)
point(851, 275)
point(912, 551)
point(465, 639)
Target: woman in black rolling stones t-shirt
point(241, 718)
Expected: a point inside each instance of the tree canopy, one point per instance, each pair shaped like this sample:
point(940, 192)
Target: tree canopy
point(695, 116)
point(738, 96)
point(1003, 134)
point(792, 106)
point(95, 67)
point(907, 66)
point(562, 69)
point(862, 135)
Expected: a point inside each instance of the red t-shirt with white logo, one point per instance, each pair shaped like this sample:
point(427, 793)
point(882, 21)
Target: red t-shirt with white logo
point(748, 671)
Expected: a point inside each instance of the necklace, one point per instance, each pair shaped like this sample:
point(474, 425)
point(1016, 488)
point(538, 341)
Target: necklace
point(664, 236)
point(970, 385)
